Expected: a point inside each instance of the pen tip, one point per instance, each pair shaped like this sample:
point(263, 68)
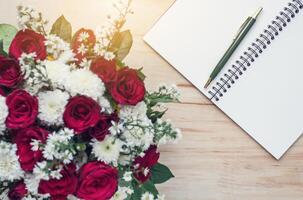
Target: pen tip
point(207, 83)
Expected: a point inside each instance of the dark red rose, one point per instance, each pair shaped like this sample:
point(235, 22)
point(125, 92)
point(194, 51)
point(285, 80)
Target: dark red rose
point(97, 181)
point(60, 189)
point(81, 113)
point(101, 129)
point(140, 164)
point(23, 109)
point(2, 92)
point(27, 157)
point(78, 41)
point(10, 72)
point(106, 70)
point(28, 41)
point(18, 191)
point(128, 89)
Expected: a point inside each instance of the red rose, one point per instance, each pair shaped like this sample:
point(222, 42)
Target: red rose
point(79, 41)
point(106, 70)
point(150, 158)
point(101, 129)
point(23, 109)
point(128, 89)
point(10, 72)
point(27, 157)
point(18, 191)
point(2, 92)
point(60, 189)
point(97, 181)
point(81, 113)
point(28, 41)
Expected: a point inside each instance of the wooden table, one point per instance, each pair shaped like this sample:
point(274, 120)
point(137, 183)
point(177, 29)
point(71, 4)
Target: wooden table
point(216, 160)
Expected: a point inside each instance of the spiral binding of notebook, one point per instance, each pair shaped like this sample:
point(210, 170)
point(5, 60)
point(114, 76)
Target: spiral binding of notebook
point(257, 47)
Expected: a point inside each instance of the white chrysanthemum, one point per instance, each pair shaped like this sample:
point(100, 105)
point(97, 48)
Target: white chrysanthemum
point(57, 72)
point(51, 106)
point(107, 150)
point(67, 56)
point(134, 113)
point(84, 82)
point(3, 114)
point(122, 193)
point(10, 169)
point(147, 196)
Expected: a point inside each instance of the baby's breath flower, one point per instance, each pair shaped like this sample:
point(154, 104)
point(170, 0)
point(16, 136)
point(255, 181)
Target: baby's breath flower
point(147, 196)
point(29, 18)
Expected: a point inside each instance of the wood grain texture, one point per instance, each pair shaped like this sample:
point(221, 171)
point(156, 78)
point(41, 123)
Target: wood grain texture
point(216, 160)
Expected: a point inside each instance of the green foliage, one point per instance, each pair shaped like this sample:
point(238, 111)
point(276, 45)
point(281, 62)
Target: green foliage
point(160, 174)
point(140, 74)
point(155, 98)
point(140, 189)
point(2, 52)
point(149, 186)
point(121, 44)
point(7, 34)
point(63, 29)
point(154, 115)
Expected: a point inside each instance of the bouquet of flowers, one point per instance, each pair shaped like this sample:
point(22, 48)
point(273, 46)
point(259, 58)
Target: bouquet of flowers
point(75, 121)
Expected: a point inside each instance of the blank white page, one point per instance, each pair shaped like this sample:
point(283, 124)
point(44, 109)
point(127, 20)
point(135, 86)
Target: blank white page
point(267, 102)
point(194, 34)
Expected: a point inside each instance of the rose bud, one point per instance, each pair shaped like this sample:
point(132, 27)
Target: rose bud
point(105, 69)
point(81, 113)
point(18, 191)
point(145, 163)
point(23, 139)
point(28, 41)
point(23, 109)
point(100, 131)
point(128, 89)
point(97, 180)
point(10, 72)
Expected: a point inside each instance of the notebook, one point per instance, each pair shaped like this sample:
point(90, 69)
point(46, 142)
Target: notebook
point(261, 86)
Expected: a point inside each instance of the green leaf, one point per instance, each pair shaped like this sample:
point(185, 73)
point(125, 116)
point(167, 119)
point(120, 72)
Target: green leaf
point(120, 64)
point(154, 115)
point(138, 191)
point(137, 194)
point(140, 74)
point(160, 174)
point(121, 44)
point(7, 34)
point(150, 187)
point(63, 29)
point(2, 52)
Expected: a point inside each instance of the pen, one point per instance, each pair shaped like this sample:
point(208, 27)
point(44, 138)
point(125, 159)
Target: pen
point(243, 30)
